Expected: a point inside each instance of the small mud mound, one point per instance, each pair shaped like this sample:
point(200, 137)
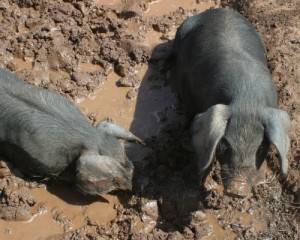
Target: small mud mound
point(16, 199)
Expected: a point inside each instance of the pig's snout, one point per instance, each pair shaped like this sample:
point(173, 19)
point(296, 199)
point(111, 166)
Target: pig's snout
point(239, 182)
point(238, 186)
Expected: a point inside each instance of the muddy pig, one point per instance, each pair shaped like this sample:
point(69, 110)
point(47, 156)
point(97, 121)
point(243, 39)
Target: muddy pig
point(43, 133)
point(221, 74)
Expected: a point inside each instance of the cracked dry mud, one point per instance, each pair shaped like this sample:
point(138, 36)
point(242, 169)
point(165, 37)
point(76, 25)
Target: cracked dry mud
point(111, 59)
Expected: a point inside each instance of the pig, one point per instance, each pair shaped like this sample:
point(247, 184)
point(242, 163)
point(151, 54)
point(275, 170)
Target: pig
point(220, 72)
point(43, 134)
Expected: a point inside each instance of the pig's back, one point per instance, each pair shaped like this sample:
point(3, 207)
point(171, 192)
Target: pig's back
point(39, 128)
point(220, 58)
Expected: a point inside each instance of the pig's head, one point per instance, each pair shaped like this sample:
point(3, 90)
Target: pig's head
point(108, 168)
point(96, 174)
point(243, 138)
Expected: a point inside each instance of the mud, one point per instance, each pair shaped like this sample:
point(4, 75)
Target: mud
point(111, 59)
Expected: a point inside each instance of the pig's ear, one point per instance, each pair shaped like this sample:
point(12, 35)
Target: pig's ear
point(277, 124)
point(207, 130)
point(118, 131)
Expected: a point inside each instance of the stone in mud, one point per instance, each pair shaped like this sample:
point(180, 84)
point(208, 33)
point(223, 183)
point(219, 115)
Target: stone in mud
point(61, 58)
point(40, 74)
point(82, 79)
point(16, 199)
point(4, 171)
point(130, 81)
point(151, 209)
point(67, 86)
point(93, 117)
point(162, 27)
point(132, 94)
point(4, 5)
point(12, 66)
point(62, 219)
point(122, 69)
point(108, 69)
point(175, 236)
point(32, 23)
point(202, 231)
point(134, 8)
point(15, 213)
point(188, 233)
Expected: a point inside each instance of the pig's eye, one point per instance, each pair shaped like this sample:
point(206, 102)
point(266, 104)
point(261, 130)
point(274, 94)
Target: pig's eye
point(260, 149)
point(263, 147)
point(224, 151)
point(262, 152)
point(223, 147)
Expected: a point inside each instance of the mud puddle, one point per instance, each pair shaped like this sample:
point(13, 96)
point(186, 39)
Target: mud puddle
point(58, 210)
point(162, 7)
point(144, 112)
point(155, 8)
point(19, 64)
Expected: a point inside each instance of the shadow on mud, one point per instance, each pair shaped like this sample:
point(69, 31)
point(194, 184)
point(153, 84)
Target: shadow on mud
point(69, 194)
point(167, 173)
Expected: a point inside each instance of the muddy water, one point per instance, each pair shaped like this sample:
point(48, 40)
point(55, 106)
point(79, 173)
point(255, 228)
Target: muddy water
point(216, 229)
point(108, 2)
point(60, 209)
point(88, 67)
point(155, 8)
point(111, 102)
point(250, 220)
point(159, 8)
point(21, 64)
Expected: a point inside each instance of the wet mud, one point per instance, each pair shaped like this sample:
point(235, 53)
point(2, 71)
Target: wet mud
point(112, 59)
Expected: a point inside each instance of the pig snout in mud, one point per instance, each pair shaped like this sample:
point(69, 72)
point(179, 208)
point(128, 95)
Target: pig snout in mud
point(43, 133)
point(220, 72)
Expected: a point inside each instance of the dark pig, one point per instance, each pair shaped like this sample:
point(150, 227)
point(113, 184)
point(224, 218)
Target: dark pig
point(43, 133)
point(221, 74)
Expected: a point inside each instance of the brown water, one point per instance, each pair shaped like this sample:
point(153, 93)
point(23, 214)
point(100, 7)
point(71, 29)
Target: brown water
point(250, 220)
point(217, 230)
point(159, 8)
point(75, 210)
point(88, 67)
point(142, 118)
point(107, 2)
point(21, 64)
point(156, 8)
